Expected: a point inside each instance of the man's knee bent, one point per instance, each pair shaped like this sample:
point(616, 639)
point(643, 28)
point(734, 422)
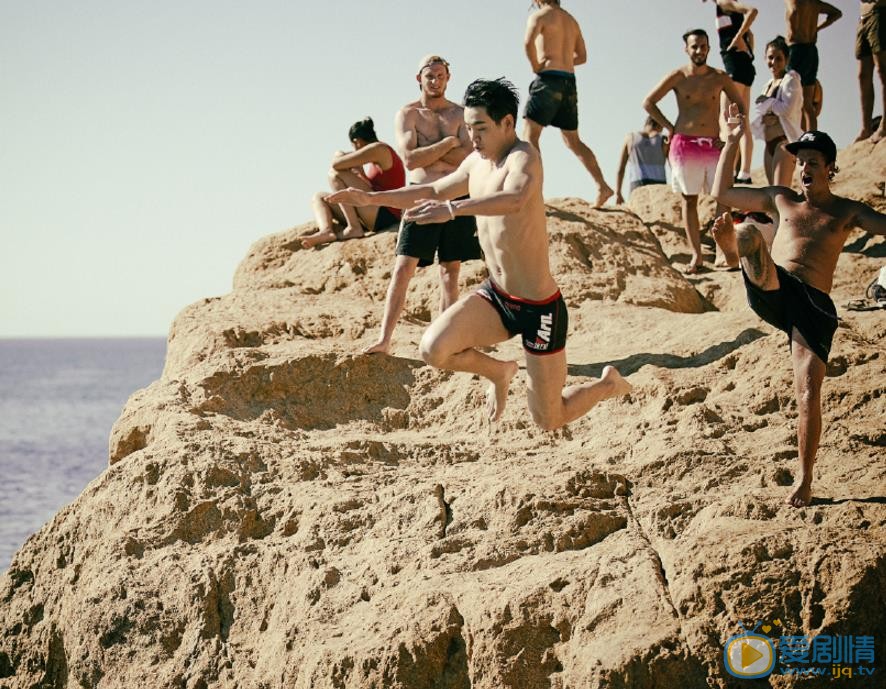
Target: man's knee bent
point(431, 351)
point(748, 238)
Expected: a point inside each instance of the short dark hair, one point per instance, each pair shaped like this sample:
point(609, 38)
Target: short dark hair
point(364, 129)
point(779, 43)
point(498, 96)
point(695, 32)
point(652, 122)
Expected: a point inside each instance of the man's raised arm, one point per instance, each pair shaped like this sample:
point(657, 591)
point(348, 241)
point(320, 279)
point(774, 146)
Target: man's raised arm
point(415, 156)
point(737, 197)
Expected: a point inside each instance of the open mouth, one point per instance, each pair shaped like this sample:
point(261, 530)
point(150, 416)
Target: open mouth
point(806, 180)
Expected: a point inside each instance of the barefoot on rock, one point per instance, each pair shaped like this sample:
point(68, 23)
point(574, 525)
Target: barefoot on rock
point(497, 392)
point(380, 347)
point(802, 496)
point(603, 196)
point(620, 385)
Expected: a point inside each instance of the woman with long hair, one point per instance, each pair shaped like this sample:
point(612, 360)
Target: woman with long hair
point(779, 114)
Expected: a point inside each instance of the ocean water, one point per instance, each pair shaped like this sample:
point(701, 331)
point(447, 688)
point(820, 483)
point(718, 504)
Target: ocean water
point(59, 399)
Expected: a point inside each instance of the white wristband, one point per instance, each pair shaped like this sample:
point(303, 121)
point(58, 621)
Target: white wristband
point(450, 209)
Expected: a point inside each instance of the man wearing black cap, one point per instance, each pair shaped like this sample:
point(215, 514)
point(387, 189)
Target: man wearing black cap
point(790, 289)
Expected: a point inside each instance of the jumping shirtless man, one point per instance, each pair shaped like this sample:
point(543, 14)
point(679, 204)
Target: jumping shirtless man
point(695, 142)
point(554, 45)
point(801, 17)
point(433, 141)
point(503, 177)
point(789, 289)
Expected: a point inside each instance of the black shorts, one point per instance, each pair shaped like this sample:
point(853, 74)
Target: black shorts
point(553, 100)
point(453, 240)
point(384, 218)
point(871, 36)
point(543, 324)
point(803, 59)
point(796, 305)
point(740, 66)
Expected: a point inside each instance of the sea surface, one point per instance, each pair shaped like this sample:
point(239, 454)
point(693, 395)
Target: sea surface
point(59, 399)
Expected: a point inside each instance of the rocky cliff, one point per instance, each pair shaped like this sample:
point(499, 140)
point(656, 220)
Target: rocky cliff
point(280, 511)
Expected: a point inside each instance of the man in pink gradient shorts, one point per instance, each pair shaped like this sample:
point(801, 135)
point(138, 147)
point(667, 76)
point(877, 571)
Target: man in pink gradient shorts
point(695, 143)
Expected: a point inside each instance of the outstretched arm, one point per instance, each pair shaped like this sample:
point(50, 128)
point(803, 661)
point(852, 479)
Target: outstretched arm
point(449, 187)
point(737, 197)
point(870, 220)
point(831, 13)
point(414, 156)
point(522, 180)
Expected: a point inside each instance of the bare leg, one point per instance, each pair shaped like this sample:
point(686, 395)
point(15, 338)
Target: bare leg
point(354, 217)
point(810, 121)
point(866, 88)
point(324, 214)
point(589, 160)
point(690, 223)
point(450, 343)
point(880, 62)
point(809, 373)
point(532, 132)
point(721, 260)
point(449, 284)
point(404, 269)
point(552, 404)
point(783, 165)
point(769, 165)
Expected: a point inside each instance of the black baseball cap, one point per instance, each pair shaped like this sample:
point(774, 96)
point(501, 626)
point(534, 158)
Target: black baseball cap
point(817, 141)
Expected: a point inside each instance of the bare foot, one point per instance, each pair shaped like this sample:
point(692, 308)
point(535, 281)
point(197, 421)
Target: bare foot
point(497, 392)
point(862, 135)
point(603, 196)
point(620, 385)
point(380, 347)
point(318, 238)
point(802, 496)
point(694, 267)
point(724, 235)
point(878, 136)
point(352, 232)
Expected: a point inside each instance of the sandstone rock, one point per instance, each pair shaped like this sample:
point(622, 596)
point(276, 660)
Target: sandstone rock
point(281, 512)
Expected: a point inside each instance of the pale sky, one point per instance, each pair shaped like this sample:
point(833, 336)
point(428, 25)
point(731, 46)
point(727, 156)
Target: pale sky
point(144, 146)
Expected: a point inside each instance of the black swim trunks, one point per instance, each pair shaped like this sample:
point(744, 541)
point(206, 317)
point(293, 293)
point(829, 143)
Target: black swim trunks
point(796, 305)
point(740, 66)
point(553, 100)
point(803, 59)
point(543, 324)
point(384, 218)
point(453, 240)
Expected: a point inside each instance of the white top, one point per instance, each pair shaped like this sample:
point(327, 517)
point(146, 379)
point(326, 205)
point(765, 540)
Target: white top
point(787, 103)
